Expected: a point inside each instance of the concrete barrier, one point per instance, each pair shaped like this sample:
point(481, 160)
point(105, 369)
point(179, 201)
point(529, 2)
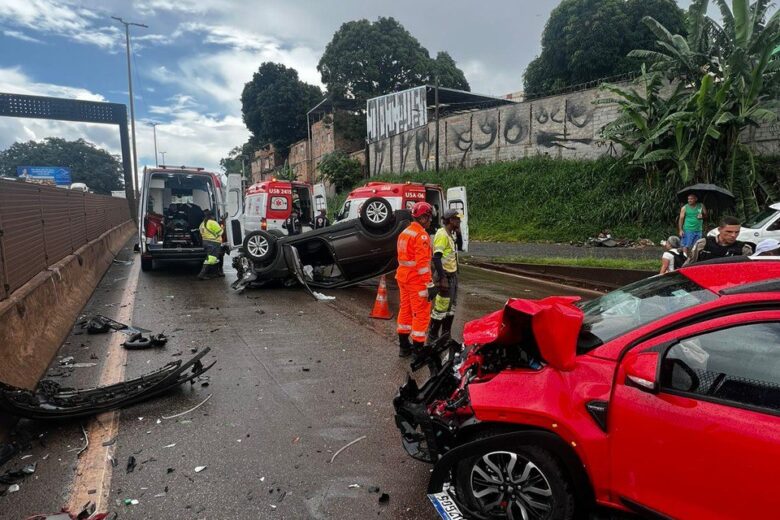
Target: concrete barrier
point(37, 317)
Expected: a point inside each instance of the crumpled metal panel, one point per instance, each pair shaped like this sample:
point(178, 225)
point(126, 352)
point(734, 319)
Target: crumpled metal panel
point(56, 224)
point(22, 233)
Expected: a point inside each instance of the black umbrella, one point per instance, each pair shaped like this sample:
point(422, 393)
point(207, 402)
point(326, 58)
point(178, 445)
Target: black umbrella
point(713, 197)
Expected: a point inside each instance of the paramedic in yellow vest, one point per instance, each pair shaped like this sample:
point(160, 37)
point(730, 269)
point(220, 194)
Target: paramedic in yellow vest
point(414, 281)
point(445, 275)
point(211, 233)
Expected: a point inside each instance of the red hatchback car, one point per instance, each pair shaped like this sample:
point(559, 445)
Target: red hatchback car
point(661, 398)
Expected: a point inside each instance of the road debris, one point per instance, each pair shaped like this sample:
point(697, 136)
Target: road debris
point(345, 447)
point(131, 502)
point(170, 445)
point(130, 464)
point(198, 469)
point(51, 401)
point(322, 297)
point(188, 411)
point(353, 486)
point(384, 498)
point(13, 488)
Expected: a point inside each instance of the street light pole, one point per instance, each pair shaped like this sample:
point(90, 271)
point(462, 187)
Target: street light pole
point(154, 129)
point(163, 154)
point(132, 105)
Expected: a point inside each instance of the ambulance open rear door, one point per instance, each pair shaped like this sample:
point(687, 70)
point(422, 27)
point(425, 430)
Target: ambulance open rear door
point(456, 199)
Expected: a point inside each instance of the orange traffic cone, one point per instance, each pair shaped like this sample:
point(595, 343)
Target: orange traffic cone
point(381, 310)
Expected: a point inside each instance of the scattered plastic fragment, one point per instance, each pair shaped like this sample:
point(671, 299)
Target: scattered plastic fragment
point(322, 297)
point(384, 498)
point(199, 469)
point(25, 457)
point(353, 486)
point(130, 464)
point(188, 411)
point(66, 360)
point(131, 502)
point(170, 445)
point(373, 489)
point(345, 447)
point(13, 488)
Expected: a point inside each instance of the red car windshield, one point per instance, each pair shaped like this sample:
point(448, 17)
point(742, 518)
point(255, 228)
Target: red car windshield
point(635, 305)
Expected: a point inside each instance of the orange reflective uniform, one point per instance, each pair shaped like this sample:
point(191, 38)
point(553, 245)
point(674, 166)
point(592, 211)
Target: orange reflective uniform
point(414, 276)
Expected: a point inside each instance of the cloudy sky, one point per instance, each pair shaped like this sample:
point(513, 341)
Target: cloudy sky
point(192, 62)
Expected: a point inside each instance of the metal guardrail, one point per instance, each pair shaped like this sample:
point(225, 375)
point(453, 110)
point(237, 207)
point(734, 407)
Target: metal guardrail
point(40, 225)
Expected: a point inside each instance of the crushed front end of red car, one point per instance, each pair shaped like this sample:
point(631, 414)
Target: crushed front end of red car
point(525, 334)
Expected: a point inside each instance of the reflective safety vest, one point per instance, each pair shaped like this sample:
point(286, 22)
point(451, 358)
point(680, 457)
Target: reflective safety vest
point(444, 243)
point(211, 231)
point(414, 256)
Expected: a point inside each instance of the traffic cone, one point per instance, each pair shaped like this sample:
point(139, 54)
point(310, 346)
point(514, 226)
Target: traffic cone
point(381, 310)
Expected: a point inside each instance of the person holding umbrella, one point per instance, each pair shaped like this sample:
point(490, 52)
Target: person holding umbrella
point(691, 222)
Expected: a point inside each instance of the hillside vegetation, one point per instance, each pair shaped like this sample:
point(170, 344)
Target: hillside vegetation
point(541, 199)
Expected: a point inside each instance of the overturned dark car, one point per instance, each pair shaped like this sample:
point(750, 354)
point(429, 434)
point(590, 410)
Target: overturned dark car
point(336, 256)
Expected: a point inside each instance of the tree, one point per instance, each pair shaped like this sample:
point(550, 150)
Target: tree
point(449, 74)
point(366, 59)
point(727, 78)
point(93, 166)
point(238, 159)
point(585, 40)
point(274, 106)
point(340, 170)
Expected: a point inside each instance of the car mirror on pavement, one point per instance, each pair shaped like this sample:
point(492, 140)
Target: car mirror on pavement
point(641, 369)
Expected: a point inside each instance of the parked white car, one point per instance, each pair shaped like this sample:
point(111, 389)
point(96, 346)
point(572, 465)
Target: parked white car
point(765, 224)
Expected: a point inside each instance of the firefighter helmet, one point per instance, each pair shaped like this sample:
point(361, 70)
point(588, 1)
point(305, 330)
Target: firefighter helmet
point(422, 208)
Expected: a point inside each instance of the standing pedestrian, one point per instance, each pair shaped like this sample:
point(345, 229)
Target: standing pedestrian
point(673, 258)
point(445, 266)
point(414, 281)
point(293, 222)
point(724, 244)
point(211, 234)
point(690, 224)
point(321, 220)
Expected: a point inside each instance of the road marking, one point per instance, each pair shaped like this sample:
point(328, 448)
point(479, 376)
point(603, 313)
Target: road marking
point(94, 469)
point(570, 288)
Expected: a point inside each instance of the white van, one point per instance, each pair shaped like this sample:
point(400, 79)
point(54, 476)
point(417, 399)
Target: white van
point(171, 211)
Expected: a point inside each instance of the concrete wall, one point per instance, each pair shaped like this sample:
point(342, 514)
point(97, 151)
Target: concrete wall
point(566, 126)
point(36, 318)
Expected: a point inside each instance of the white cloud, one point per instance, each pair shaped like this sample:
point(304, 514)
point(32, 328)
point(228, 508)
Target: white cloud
point(187, 135)
point(19, 35)
point(59, 18)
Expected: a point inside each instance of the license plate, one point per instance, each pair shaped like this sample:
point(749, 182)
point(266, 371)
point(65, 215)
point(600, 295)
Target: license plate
point(445, 506)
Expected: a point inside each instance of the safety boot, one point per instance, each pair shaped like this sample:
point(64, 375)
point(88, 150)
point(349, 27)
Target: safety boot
point(219, 273)
point(204, 272)
point(404, 348)
point(433, 331)
point(446, 325)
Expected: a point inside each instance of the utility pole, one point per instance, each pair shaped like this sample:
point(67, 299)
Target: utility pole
point(163, 154)
point(132, 105)
point(436, 116)
point(154, 129)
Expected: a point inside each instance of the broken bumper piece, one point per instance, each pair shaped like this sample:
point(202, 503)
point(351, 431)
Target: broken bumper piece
point(425, 436)
point(50, 401)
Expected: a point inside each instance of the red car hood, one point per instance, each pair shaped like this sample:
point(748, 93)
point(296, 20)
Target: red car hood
point(554, 322)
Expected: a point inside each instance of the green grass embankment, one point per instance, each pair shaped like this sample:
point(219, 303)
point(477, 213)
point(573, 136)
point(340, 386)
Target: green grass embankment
point(604, 263)
point(542, 199)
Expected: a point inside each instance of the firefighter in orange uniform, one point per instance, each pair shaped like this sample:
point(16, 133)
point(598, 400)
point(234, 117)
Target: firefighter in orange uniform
point(414, 281)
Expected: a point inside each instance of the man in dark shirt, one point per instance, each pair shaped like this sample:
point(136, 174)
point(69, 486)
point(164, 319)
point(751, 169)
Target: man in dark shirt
point(293, 223)
point(724, 244)
point(321, 220)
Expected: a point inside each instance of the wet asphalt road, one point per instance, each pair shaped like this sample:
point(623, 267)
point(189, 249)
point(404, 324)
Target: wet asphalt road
point(296, 379)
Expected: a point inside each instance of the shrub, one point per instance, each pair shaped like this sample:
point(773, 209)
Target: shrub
point(340, 170)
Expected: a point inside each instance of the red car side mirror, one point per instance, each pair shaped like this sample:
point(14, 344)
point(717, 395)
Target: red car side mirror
point(641, 369)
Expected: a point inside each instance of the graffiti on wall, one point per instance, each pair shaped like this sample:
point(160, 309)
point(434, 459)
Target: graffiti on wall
point(396, 113)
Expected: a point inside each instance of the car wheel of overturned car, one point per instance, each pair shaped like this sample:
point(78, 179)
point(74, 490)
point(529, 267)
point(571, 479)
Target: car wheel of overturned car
point(376, 213)
point(259, 245)
point(516, 482)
